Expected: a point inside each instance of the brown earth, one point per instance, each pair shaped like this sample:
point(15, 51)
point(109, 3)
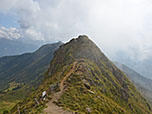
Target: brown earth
point(52, 108)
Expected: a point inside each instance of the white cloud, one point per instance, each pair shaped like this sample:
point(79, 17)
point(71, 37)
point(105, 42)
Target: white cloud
point(115, 25)
point(9, 33)
point(33, 35)
point(8, 5)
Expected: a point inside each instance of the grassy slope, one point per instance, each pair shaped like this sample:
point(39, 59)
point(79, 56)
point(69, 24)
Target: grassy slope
point(6, 105)
point(106, 98)
point(109, 89)
point(26, 70)
point(143, 84)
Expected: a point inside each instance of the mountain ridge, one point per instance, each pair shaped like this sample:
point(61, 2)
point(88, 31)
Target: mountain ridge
point(15, 47)
point(95, 84)
point(20, 64)
point(20, 74)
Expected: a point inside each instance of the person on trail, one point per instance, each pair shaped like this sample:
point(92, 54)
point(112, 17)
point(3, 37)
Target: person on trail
point(44, 95)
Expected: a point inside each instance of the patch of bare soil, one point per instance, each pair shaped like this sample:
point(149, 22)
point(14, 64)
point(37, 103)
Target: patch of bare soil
point(52, 108)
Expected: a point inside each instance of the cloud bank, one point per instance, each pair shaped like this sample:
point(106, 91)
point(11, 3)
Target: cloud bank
point(10, 33)
point(115, 25)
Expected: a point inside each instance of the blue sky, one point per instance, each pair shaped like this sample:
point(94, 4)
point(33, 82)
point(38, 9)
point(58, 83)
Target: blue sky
point(8, 20)
point(110, 23)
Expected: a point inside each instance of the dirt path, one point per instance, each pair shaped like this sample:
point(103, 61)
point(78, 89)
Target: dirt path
point(67, 76)
point(53, 108)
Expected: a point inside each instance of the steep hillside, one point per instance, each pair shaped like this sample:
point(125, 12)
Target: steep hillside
point(19, 74)
point(82, 80)
point(143, 84)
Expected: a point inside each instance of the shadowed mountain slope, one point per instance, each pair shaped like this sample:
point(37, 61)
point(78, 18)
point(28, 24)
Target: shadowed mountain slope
point(143, 84)
point(20, 73)
point(25, 68)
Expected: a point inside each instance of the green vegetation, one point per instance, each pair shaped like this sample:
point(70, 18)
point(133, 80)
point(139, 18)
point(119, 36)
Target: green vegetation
point(10, 98)
point(6, 106)
point(143, 84)
point(21, 74)
point(95, 86)
point(13, 86)
point(103, 98)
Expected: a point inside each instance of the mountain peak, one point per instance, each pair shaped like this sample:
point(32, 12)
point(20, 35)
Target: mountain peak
point(92, 70)
point(82, 47)
point(81, 38)
point(82, 79)
point(77, 49)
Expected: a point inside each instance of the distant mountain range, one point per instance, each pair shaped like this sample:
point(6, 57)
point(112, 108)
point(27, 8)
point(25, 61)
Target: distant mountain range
point(14, 47)
point(143, 84)
point(82, 80)
point(144, 67)
point(20, 73)
point(79, 79)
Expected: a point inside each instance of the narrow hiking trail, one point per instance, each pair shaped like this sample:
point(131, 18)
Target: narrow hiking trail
point(67, 76)
point(53, 108)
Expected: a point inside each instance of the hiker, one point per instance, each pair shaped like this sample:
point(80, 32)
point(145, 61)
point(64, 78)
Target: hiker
point(44, 95)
